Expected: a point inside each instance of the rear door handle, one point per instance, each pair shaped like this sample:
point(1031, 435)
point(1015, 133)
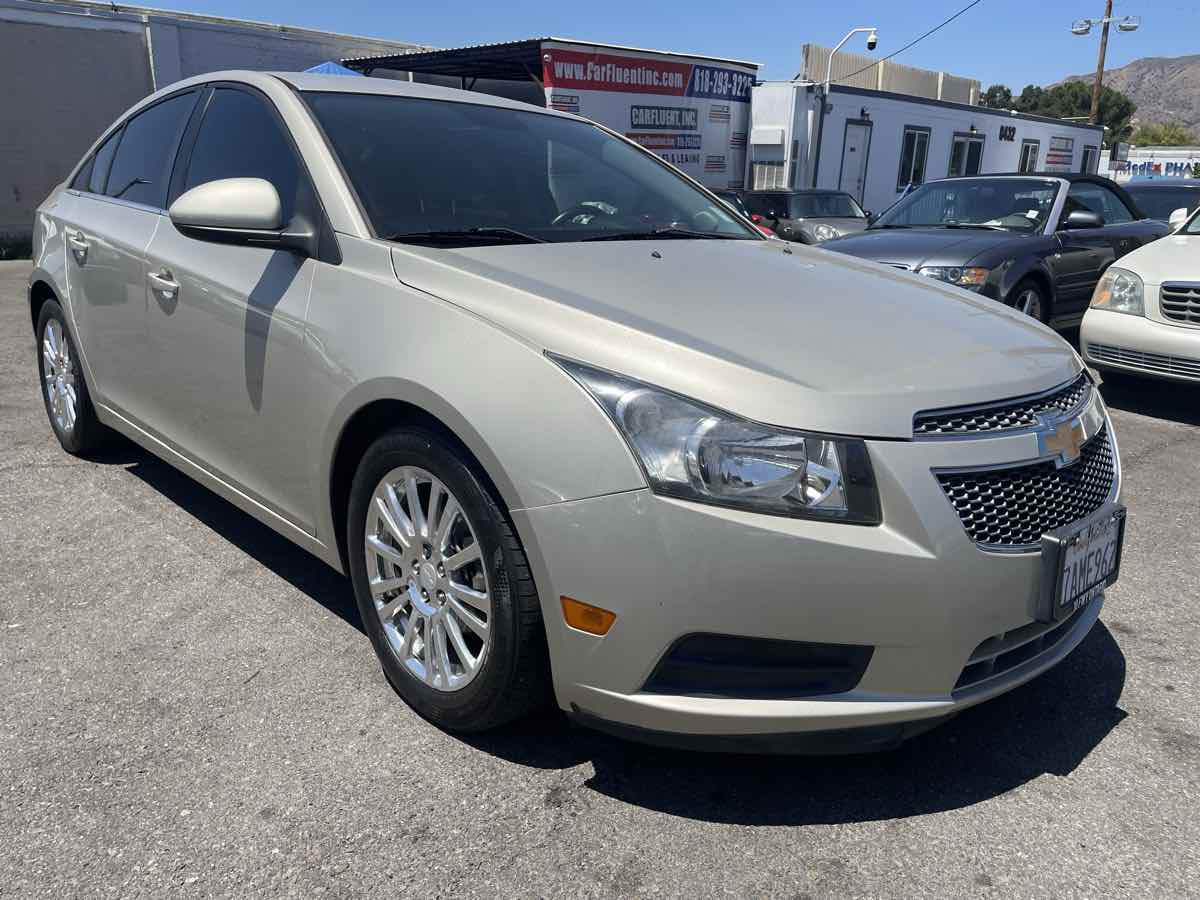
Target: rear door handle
point(163, 283)
point(77, 243)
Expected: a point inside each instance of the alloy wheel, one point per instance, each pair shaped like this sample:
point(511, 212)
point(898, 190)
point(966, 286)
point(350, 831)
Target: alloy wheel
point(427, 578)
point(1029, 301)
point(58, 372)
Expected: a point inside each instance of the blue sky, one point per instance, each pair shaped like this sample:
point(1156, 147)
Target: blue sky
point(1017, 42)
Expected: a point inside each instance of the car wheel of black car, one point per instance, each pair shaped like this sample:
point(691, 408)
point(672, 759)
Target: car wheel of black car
point(1029, 297)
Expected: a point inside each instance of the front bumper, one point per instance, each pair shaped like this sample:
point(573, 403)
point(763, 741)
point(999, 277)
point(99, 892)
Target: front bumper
point(916, 588)
point(1138, 344)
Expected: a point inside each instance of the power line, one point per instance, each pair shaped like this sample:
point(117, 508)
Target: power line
point(912, 43)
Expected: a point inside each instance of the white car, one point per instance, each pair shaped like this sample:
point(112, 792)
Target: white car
point(1145, 313)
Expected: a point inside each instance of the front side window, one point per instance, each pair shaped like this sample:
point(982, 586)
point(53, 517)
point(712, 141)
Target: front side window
point(826, 206)
point(1014, 204)
point(914, 152)
point(1088, 164)
point(966, 154)
point(146, 152)
point(452, 174)
point(1029, 157)
point(224, 148)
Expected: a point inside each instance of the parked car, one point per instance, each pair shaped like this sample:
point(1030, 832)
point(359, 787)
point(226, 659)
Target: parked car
point(734, 199)
point(1038, 243)
point(806, 217)
point(513, 375)
point(1145, 314)
point(1159, 198)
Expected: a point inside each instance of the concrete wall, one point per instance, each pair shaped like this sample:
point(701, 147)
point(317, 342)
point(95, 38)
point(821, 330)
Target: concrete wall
point(68, 69)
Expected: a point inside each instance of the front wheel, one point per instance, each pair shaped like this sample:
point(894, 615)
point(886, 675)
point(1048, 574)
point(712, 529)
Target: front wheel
point(443, 585)
point(1029, 297)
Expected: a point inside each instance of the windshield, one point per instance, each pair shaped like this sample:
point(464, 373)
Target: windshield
point(1160, 202)
point(1013, 204)
point(825, 206)
point(458, 174)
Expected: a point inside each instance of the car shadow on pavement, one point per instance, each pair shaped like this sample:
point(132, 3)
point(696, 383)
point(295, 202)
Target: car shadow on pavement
point(299, 568)
point(1161, 399)
point(1046, 727)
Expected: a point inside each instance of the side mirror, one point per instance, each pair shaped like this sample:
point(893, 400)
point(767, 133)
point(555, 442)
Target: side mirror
point(756, 218)
point(1082, 218)
point(244, 211)
point(871, 216)
point(1178, 218)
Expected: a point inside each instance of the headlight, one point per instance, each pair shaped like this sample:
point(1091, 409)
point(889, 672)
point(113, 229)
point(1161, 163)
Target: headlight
point(1120, 291)
point(694, 452)
point(973, 277)
point(823, 232)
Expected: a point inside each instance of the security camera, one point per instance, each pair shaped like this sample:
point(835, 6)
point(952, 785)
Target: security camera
point(872, 40)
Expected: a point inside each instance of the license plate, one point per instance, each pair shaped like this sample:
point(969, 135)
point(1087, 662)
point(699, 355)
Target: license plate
point(1081, 560)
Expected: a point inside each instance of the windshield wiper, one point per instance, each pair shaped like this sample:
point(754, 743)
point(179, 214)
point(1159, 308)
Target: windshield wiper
point(663, 232)
point(478, 233)
point(877, 227)
point(974, 225)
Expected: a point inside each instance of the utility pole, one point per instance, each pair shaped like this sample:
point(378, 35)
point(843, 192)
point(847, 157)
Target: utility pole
point(1083, 27)
point(1100, 64)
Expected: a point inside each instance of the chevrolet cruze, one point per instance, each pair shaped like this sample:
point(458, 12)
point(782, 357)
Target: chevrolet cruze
point(572, 428)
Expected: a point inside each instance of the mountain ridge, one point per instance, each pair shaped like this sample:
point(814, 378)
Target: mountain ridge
point(1166, 89)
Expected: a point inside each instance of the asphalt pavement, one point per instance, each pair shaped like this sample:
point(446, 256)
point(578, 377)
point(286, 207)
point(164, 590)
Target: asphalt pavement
point(188, 706)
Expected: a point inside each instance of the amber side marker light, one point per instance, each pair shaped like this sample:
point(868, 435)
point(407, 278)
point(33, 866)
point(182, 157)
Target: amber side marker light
point(586, 617)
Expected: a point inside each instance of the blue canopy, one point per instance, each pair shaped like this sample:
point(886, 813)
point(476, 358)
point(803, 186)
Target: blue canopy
point(332, 68)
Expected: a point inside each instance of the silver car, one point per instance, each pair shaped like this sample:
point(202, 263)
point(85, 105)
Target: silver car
point(573, 429)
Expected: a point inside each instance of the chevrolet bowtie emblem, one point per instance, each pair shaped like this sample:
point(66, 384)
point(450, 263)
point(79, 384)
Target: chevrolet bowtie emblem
point(1065, 441)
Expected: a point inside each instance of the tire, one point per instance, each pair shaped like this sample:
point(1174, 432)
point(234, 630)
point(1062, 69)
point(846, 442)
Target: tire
point(64, 390)
point(1029, 291)
point(511, 677)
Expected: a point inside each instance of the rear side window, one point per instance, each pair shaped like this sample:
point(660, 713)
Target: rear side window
point(241, 138)
point(92, 173)
point(142, 167)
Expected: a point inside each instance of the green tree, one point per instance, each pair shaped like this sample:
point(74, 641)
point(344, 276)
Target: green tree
point(1163, 135)
point(1073, 100)
point(998, 96)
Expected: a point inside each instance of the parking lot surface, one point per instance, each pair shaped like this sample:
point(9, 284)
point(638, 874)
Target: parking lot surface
point(188, 705)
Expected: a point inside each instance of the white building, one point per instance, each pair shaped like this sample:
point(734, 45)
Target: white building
point(873, 144)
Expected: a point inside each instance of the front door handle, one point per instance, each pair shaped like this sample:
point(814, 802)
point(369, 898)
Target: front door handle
point(164, 283)
point(78, 245)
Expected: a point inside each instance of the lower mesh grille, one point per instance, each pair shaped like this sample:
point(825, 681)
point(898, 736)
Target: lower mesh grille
point(1010, 509)
point(1004, 652)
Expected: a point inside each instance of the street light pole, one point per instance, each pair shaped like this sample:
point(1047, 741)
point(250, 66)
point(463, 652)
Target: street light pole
point(1095, 114)
point(1084, 27)
point(872, 43)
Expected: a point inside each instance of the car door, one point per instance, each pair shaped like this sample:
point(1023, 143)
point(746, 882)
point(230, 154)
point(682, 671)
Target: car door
point(226, 323)
point(113, 209)
point(1083, 253)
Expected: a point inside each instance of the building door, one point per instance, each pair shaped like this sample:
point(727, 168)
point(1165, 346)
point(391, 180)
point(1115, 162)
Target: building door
point(856, 149)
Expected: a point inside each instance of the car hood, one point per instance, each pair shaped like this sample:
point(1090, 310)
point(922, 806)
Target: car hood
point(917, 247)
point(1175, 257)
point(801, 339)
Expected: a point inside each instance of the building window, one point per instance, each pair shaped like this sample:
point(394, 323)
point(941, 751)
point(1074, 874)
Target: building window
point(1029, 157)
point(966, 154)
point(914, 151)
point(768, 176)
point(1090, 158)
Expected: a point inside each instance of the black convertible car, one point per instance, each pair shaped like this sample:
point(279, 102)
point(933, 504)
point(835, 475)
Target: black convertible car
point(1036, 242)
